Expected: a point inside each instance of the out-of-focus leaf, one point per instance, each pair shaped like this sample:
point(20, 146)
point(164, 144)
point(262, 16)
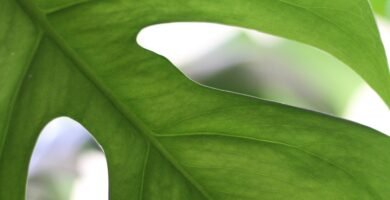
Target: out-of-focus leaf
point(381, 7)
point(166, 137)
point(286, 71)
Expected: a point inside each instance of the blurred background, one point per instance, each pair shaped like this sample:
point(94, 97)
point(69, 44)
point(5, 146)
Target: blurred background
point(68, 164)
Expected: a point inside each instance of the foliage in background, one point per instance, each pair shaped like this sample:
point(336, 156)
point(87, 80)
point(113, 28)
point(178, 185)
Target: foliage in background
point(286, 72)
point(166, 137)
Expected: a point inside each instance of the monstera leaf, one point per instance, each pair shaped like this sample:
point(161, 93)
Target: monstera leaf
point(166, 137)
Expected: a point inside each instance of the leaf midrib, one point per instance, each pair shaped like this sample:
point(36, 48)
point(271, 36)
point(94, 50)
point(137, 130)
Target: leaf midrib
point(37, 16)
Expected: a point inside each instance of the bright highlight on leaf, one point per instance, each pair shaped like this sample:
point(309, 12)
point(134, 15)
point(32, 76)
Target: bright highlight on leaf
point(166, 137)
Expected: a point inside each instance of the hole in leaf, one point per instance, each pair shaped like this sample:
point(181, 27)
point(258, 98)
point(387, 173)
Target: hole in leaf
point(254, 63)
point(67, 164)
point(258, 64)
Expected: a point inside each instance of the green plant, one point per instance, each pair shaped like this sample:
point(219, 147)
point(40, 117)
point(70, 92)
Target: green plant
point(166, 137)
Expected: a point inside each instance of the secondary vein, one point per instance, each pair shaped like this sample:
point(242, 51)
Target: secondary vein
point(19, 86)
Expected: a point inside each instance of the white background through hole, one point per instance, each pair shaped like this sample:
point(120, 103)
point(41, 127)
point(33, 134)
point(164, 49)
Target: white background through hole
point(183, 43)
point(64, 167)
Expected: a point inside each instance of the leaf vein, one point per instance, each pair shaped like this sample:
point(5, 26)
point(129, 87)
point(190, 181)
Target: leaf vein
point(147, 155)
point(19, 86)
point(221, 134)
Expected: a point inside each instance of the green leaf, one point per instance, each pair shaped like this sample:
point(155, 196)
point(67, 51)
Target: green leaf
point(380, 6)
point(166, 137)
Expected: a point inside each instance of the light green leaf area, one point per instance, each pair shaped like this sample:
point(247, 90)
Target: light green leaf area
point(166, 137)
point(380, 7)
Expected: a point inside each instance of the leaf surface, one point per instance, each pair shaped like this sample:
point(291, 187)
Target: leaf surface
point(166, 137)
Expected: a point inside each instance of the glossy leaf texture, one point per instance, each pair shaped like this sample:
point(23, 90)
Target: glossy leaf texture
point(166, 137)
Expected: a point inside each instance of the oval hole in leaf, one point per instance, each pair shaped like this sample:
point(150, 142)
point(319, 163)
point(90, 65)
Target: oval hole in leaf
point(67, 164)
point(261, 65)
